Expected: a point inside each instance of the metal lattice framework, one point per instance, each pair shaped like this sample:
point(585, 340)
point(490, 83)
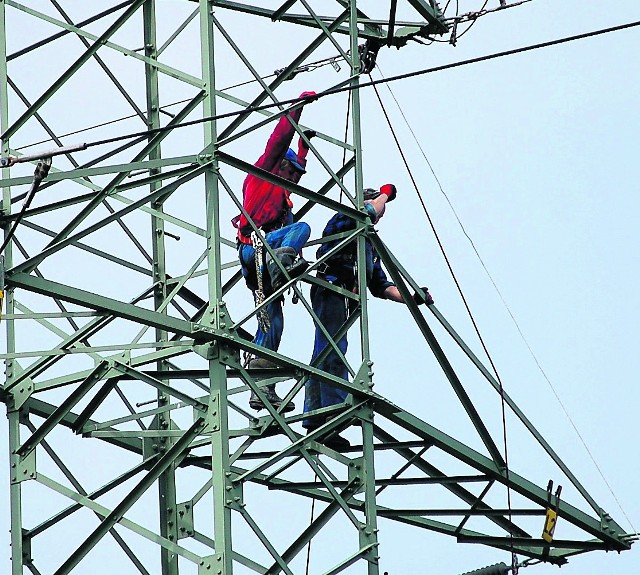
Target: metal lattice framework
point(125, 388)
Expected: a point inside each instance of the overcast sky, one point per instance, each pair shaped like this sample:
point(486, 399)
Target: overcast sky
point(537, 154)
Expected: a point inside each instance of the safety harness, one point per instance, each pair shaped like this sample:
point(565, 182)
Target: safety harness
point(259, 296)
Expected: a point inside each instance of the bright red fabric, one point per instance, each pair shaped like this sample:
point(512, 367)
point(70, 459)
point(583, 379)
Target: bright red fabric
point(267, 203)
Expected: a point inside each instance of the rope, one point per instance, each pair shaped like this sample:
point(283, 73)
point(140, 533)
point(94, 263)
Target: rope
point(332, 91)
point(466, 304)
point(313, 506)
point(263, 316)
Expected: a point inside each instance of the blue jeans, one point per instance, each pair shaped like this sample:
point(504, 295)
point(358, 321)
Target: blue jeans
point(331, 309)
point(295, 236)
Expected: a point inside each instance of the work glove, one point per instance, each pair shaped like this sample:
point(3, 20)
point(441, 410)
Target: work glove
point(308, 95)
point(390, 191)
point(420, 300)
point(309, 134)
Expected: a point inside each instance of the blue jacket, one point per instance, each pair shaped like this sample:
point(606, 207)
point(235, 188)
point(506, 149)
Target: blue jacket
point(341, 267)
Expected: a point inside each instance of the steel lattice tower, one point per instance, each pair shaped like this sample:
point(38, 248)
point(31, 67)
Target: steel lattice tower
point(125, 386)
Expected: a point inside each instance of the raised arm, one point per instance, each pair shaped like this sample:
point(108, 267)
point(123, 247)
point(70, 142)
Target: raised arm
point(280, 139)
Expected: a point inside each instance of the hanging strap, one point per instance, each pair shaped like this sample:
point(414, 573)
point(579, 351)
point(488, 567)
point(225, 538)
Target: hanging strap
point(263, 316)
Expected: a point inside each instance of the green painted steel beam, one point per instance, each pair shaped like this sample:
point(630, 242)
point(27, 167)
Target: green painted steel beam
point(63, 239)
point(191, 364)
point(81, 173)
point(117, 25)
point(435, 21)
point(98, 42)
point(90, 20)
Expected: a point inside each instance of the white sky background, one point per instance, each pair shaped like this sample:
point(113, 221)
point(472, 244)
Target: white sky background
point(537, 153)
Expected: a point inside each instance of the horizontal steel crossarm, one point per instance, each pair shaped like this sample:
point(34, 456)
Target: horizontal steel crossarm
point(80, 173)
point(104, 512)
point(485, 465)
point(248, 168)
point(540, 544)
point(466, 511)
point(66, 240)
point(514, 407)
point(139, 433)
point(303, 20)
point(101, 303)
point(438, 352)
point(409, 481)
point(429, 524)
point(99, 42)
point(117, 514)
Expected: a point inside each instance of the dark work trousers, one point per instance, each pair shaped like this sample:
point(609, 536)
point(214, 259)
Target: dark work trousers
point(331, 309)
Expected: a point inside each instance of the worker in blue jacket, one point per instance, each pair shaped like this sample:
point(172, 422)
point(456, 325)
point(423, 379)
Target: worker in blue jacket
point(332, 308)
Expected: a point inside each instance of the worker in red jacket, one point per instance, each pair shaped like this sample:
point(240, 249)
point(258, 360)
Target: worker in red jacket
point(269, 207)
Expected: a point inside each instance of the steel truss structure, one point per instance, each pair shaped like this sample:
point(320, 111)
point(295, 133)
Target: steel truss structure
point(125, 388)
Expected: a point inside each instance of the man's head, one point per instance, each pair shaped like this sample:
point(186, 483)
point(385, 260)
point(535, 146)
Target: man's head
point(290, 168)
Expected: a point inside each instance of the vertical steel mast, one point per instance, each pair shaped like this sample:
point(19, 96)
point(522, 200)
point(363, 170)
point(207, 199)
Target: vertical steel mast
point(126, 321)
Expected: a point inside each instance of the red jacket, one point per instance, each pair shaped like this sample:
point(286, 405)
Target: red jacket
point(267, 203)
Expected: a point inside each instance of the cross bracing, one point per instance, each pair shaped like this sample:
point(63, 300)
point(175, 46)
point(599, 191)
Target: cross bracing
point(127, 319)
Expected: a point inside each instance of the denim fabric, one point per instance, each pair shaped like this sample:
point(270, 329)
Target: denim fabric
point(331, 310)
point(295, 236)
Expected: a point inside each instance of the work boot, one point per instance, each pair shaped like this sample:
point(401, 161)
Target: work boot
point(333, 441)
point(269, 390)
point(272, 398)
point(291, 261)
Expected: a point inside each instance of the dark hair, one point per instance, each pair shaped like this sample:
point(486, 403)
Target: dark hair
point(370, 194)
point(286, 163)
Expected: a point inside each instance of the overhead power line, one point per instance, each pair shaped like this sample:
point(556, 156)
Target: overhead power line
point(332, 91)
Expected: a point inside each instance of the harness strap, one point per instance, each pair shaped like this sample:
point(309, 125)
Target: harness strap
point(263, 316)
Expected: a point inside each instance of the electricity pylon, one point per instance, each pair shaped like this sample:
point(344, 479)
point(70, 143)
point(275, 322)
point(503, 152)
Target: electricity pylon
point(131, 448)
